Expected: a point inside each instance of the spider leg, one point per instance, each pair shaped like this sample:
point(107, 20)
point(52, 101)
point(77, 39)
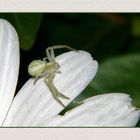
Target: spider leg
point(38, 77)
point(60, 47)
point(50, 78)
point(51, 55)
point(78, 102)
point(58, 71)
point(53, 91)
point(45, 59)
point(60, 94)
point(48, 55)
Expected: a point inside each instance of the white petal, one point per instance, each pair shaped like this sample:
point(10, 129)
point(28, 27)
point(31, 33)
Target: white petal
point(35, 102)
point(102, 110)
point(9, 65)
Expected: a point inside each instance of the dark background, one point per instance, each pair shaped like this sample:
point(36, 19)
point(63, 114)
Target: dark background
point(112, 39)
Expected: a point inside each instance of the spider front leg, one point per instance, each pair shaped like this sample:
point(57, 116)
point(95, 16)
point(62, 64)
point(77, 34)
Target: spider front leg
point(60, 94)
point(45, 59)
point(50, 78)
point(53, 90)
point(51, 55)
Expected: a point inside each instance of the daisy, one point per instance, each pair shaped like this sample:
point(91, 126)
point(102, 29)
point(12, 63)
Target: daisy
point(34, 105)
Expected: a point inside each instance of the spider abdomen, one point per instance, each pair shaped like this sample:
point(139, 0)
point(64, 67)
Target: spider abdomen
point(36, 68)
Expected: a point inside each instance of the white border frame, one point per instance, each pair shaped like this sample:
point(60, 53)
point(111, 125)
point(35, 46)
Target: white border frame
point(70, 6)
point(69, 134)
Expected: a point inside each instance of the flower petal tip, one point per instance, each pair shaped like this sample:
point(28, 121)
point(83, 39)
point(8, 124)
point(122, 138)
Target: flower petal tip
point(107, 110)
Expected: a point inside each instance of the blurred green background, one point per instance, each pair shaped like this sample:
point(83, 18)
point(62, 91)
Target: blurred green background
point(112, 39)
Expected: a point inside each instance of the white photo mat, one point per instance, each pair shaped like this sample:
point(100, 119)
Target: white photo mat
point(69, 6)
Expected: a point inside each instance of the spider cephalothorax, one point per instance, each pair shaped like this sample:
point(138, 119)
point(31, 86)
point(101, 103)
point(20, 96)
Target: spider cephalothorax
point(47, 70)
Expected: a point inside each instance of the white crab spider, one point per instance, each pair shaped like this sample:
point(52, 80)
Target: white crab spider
point(47, 70)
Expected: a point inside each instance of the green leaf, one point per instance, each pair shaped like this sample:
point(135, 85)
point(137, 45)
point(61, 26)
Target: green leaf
point(119, 74)
point(103, 35)
point(26, 25)
point(136, 25)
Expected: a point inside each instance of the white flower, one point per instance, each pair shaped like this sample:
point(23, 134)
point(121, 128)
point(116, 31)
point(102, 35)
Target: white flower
point(9, 65)
point(34, 105)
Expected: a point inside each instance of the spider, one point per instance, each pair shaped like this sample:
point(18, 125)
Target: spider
point(47, 70)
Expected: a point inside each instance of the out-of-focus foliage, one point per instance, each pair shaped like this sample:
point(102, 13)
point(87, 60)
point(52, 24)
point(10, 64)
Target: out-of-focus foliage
point(112, 39)
point(136, 25)
point(103, 35)
point(120, 74)
point(26, 25)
